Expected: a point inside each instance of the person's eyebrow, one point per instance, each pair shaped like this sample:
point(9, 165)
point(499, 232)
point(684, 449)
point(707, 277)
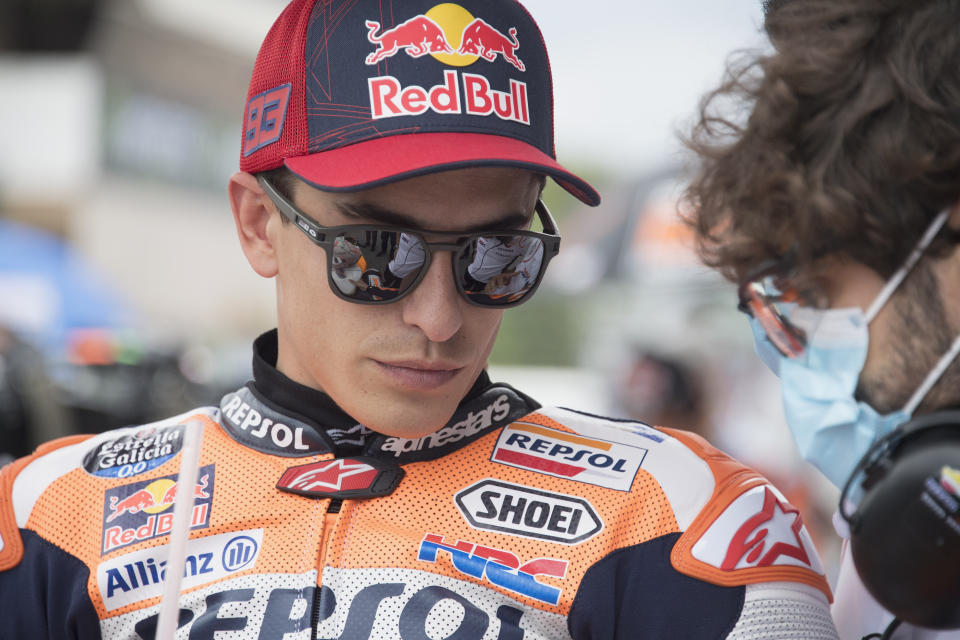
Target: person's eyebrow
point(377, 214)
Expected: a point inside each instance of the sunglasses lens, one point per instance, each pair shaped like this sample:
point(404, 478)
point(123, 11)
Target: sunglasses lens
point(376, 266)
point(502, 270)
point(379, 266)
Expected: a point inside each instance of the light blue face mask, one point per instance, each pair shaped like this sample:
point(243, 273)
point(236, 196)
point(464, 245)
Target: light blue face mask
point(831, 428)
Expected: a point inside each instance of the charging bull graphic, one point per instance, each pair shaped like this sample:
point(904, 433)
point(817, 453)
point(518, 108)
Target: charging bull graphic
point(418, 36)
point(143, 510)
point(145, 499)
point(422, 35)
point(480, 39)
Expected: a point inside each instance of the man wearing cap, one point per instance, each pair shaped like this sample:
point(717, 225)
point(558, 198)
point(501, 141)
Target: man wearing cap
point(371, 481)
point(834, 204)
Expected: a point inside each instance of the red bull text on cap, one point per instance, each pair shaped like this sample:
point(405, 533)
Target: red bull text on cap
point(351, 94)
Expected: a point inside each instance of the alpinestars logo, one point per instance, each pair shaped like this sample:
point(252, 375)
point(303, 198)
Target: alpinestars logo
point(359, 477)
point(750, 546)
point(758, 529)
point(472, 424)
point(331, 476)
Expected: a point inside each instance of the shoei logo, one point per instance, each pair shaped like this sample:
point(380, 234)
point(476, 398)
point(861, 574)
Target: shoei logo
point(447, 32)
point(531, 513)
point(758, 529)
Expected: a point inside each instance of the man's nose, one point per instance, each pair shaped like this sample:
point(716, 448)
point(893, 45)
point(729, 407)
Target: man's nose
point(435, 306)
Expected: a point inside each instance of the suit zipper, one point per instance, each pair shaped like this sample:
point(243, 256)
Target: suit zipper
point(329, 519)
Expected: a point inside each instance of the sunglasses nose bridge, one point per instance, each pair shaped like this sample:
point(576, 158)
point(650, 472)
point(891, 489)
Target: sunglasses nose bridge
point(444, 246)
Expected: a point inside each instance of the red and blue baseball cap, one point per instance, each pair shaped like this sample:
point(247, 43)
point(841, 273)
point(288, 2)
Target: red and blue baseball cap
point(352, 94)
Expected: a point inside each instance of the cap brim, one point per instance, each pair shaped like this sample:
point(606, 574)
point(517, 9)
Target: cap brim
point(383, 160)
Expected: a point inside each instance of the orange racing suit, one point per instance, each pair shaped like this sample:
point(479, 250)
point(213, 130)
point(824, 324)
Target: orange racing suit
point(512, 521)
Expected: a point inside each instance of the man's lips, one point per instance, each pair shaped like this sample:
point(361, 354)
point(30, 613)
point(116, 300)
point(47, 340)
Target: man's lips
point(423, 365)
point(420, 374)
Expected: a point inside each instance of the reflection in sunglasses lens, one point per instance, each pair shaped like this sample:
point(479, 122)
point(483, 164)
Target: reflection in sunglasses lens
point(378, 266)
point(500, 270)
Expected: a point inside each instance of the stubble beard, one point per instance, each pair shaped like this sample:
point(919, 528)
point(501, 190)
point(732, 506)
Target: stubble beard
point(920, 333)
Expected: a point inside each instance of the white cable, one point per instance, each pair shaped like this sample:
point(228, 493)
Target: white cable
point(182, 514)
point(912, 259)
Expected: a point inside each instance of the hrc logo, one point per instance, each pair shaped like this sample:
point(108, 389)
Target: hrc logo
point(499, 567)
point(263, 120)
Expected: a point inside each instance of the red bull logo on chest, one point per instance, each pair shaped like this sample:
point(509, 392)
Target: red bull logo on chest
point(143, 510)
point(451, 34)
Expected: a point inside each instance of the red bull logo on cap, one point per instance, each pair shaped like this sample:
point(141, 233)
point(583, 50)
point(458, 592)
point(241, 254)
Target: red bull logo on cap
point(447, 32)
point(142, 510)
point(450, 34)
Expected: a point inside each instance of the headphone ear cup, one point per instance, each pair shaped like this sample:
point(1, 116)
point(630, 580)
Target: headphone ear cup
point(905, 534)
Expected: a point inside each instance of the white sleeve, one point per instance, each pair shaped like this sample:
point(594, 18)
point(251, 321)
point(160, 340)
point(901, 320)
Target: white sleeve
point(784, 611)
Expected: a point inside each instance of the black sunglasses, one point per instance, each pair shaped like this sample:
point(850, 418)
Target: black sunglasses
point(378, 264)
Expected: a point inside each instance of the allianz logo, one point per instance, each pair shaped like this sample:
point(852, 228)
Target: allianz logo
point(140, 575)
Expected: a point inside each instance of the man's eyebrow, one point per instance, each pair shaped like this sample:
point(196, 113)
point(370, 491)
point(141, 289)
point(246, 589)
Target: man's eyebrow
point(381, 215)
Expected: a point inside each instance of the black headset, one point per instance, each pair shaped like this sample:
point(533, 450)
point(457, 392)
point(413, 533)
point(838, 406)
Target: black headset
point(905, 526)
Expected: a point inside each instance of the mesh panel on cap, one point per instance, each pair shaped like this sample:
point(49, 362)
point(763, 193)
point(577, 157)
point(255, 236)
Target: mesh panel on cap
point(280, 61)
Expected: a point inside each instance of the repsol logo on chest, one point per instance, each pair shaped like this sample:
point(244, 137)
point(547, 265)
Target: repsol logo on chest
point(472, 424)
point(378, 610)
point(509, 508)
point(569, 455)
point(255, 424)
point(135, 453)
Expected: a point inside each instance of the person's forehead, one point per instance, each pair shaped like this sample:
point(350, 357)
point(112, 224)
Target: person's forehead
point(459, 200)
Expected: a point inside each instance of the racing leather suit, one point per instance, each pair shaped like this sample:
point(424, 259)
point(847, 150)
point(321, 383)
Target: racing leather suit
point(511, 522)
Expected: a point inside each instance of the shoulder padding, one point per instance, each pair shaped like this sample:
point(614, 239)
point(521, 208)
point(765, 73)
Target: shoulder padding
point(24, 482)
point(685, 478)
point(11, 545)
point(748, 532)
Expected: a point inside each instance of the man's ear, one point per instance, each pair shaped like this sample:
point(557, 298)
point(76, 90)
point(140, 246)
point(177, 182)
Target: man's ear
point(252, 214)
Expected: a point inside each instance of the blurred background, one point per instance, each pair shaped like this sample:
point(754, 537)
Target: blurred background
point(124, 297)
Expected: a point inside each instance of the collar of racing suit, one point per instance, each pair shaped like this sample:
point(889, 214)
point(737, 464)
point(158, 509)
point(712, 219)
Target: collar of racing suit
point(276, 415)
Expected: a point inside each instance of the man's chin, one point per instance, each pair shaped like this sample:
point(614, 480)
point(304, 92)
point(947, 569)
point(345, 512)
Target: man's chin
point(877, 398)
point(408, 430)
point(408, 420)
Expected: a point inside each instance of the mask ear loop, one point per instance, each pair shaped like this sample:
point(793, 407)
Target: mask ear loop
point(910, 262)
point(932, 377)
point(890, 287)
point(180, 530)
